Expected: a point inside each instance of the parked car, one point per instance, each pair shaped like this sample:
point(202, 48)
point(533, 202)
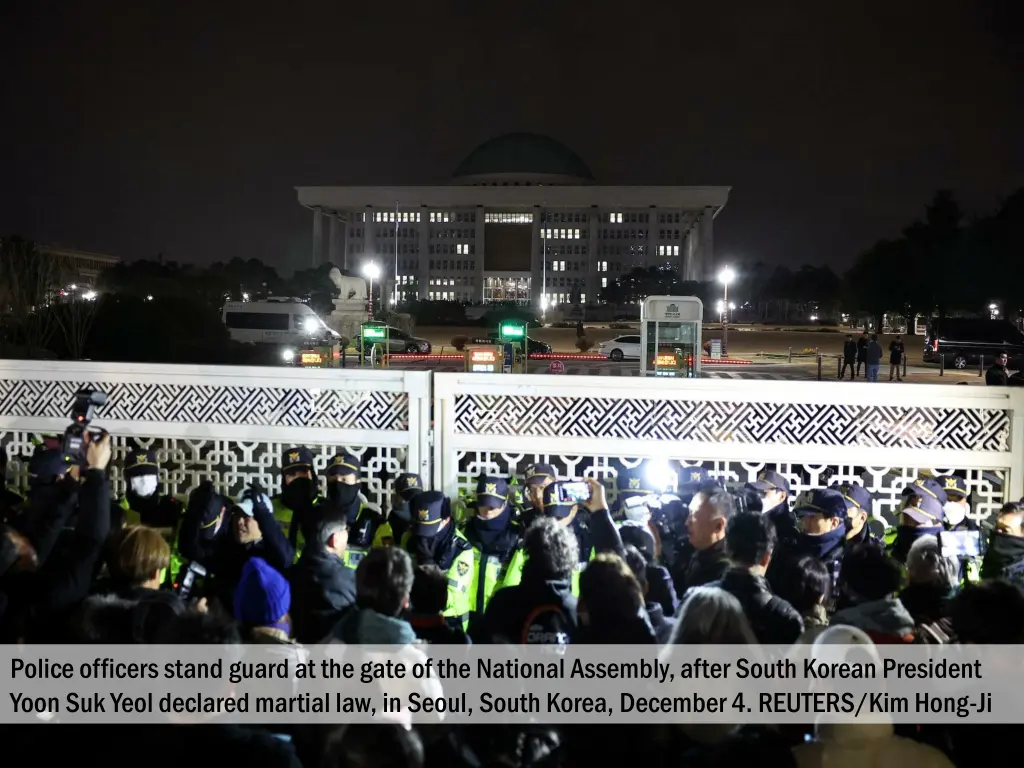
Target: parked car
point(399, 342)
point(621, 348)
point(534, 347)
point(963, 341)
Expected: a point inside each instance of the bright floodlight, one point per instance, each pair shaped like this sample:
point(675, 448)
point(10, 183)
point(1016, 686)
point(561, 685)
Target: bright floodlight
point(658, 475)
point(149, 298)
point(720, 306)
point(371, 270)
point(991, 306)
point(726, 276)
point(245, 297)
point(288, 354)
point(89, 296)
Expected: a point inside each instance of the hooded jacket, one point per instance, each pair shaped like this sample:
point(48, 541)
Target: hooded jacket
point(322, 590)
point(884, 621)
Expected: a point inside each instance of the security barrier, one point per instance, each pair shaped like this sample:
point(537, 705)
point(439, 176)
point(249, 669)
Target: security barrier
point(226, 424)
point(231, 424)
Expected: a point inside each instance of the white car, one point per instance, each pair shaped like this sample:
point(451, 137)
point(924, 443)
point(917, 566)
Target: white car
point(621, 348)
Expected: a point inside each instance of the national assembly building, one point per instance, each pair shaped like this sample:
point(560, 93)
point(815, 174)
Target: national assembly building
point(522, 220)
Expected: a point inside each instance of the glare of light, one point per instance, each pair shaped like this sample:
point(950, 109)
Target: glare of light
point(659, 475)
point(731, 305)
point(726, 276)
point(544, 301)
point(73, 287)
point(288, 354)
point(813, 318)
point(89, 296)
point(149, 298)
point(371, 270)
point(311, 325)
point(245, 297)
point(720, 305)
point(990, 306)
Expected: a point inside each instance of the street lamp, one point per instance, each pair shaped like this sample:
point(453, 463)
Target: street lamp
point(726, 276)
point(371, 271)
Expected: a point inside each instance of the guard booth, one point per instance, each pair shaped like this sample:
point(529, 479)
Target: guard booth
point(374, 345)
point(513, 337)
point(670, 336)
point(485, 359)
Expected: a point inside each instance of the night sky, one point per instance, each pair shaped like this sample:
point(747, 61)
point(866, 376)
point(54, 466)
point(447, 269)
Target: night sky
point(134, 128)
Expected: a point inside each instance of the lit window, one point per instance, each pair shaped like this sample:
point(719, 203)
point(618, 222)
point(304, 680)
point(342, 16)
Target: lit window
point(675, 250)
point(576, 234)
point(583, 298)
point(604, 282)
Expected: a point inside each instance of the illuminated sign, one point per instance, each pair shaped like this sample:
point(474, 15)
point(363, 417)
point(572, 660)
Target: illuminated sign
point(482, 356)
point(311, 358)
point(372, 332)
point(666, 361)
point(510, 331)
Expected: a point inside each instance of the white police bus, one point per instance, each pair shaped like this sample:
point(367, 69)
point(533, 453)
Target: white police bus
point(275, 321)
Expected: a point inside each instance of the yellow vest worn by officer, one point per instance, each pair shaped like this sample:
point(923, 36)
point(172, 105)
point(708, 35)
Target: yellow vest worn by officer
point(498, 557)
point(142, 476)
point(435, 538)
point(367, 528)
point(956, 510)
point(297, 460)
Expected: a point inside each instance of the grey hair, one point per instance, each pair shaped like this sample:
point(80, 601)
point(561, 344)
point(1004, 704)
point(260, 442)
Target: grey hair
point(711, 616)
point(926, 565)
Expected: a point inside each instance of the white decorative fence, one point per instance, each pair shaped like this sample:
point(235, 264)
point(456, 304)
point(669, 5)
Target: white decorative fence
point(881, 435)
point(226, 424)
point(231, 425)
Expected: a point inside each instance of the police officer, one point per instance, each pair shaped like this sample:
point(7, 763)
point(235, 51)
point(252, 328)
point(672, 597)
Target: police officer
point(298, 494)
point(822, 515)
point(957, 509)
point(858, 514)
point(536, 478)
point(406, 486)
point(922, 486)
point(366, 525)
point(775, 493)
point(631, 484)
point(496, 539)
point(922, 514)
point(142, 505)
point(435, 540)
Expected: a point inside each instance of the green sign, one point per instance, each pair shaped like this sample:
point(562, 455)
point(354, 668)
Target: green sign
point(511, 331)
point(373, 333)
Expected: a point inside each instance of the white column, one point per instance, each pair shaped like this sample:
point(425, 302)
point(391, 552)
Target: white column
point(707, 244)
point(423, 270)
point(536, 258)
point(593, 282)
point(477, 291)
point(336, 241)
point(369, 241)
point(318, 238)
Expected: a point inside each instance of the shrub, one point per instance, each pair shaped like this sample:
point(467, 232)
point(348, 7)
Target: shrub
point(460, 342)
point(583, 344)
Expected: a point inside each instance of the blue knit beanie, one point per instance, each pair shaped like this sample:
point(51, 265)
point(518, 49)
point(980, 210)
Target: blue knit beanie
point(262, 597)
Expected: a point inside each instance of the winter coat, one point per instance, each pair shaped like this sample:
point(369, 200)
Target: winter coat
point(884, 621)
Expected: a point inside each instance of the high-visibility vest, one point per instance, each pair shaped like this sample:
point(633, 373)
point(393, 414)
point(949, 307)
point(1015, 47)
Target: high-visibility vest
point(491, 573)
point(382, 537)
point(131, 517)
point(579, 570)
point(460, 579)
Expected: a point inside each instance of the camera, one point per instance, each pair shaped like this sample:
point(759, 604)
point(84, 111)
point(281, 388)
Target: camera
point(572, 492)
point(187, 580)
point(82, 413)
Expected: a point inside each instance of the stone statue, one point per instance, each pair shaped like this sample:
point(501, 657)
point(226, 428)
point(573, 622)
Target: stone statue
point(350, 306)
point(349, 288)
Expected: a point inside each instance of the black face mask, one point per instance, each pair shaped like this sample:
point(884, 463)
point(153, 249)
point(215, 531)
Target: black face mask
point(1003, 550)
point(298, 493)
point(344, 497)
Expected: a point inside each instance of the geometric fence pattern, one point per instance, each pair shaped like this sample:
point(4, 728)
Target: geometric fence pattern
point(884, 483)
point(873, 426)
point(197, 404)
point(231, 465)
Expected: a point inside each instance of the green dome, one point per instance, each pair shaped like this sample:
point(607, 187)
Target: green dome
point(523, 154)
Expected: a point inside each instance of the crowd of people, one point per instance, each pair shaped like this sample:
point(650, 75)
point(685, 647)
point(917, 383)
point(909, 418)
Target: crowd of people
point(525, 560)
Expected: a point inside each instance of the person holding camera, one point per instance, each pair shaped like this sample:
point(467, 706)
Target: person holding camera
point(42, 573)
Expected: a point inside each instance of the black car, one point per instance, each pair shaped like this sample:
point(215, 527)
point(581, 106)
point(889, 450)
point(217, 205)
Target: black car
point(964, 343)
point(534, 347)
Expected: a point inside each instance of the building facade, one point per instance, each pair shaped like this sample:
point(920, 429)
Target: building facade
point(522, 220)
